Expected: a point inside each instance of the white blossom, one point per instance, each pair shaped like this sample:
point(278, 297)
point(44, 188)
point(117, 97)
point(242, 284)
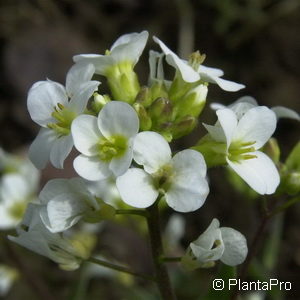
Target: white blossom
point(33, 235)
point(180, 179)
point(244, 137)
point(223, 243)
point(105, 142)
point(16, 191)
point(127, 48)
point(65, 202)
point(244, 103)
point(198, 72)
point(54, 107)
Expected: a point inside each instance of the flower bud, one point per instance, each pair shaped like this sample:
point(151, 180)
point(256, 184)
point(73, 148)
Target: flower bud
point(291, 183)
point(183, 127)
point(144, 97)
point(99, 102)
point(145, 120)
point(160, 110)
point(192, 103)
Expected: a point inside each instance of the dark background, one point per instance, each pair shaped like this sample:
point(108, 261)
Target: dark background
point(255, 42)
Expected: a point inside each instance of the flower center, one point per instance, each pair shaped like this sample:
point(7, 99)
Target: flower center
point(239, 151)
point(163, 178)
point(196, 59)
point(17, 210)
point(64, 118)
point(113, 147)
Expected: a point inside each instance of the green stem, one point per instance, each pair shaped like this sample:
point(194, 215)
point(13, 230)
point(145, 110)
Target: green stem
point(109, 265)
point(170, 259)
point(162, 276)
point(284, 206)
point(136, 212)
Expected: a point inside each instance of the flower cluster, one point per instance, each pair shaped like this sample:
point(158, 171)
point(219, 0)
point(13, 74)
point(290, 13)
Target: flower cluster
point(123, 141)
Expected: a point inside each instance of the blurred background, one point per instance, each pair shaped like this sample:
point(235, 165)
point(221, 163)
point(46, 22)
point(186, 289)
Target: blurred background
point(255, 42)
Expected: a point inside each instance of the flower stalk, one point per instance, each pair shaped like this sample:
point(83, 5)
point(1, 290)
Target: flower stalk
point(162, 276)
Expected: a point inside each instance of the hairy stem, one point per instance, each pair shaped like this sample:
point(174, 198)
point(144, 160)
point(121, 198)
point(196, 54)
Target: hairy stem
point(162, 276)
point(109, 265)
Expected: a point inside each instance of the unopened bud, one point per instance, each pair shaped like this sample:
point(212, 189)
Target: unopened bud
point(99, 102)
point(291, 183)
point(183, 127)
point(160, 110)
point(145, 120)
point(158, 89)
point(192, 103)
point(144, 97)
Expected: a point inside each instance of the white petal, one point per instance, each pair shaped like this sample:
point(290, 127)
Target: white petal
point(245, 99)
point(118, 118)
point(189, 187)
point(187, 72)
point(61, 148)
point(189, 162)
point(86, 134)
point(216, 106)
point(210, 71)
point(260, 173)
point(53, 188)
point(228, 121)
point(156, 66)
point(257, 125)
point(39, 151)
point(136, 188)
point(235, 247)
point(63, 211)
point(225, 85)
point(79, 73)
point(129, 47)
point(119, 165)
point(284, 112)
point(42, 98)
point(79, 100)
point(216, 132)
point(151, 150)
point(91, 168)
point(100, 62)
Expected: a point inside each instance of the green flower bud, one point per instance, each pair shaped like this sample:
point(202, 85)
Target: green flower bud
point(99, 102)
point(192, 103)
point(144, 97)
point(214, 152)
point(160, 110)
point(145, 120)
point(158, 89)
point(183, 127)
point(291, 183)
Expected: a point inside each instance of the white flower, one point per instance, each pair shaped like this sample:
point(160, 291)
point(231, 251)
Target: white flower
point(7, 277)
point(106, 190)
point(65, 202)
point(181, 179)
point(53, 106)
point(224, 243)
point(15, 193)
point(105, 142)
point(33, 235)
point(244, 103)
point(243, 138)
point(198, 72)
point(127, 49)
